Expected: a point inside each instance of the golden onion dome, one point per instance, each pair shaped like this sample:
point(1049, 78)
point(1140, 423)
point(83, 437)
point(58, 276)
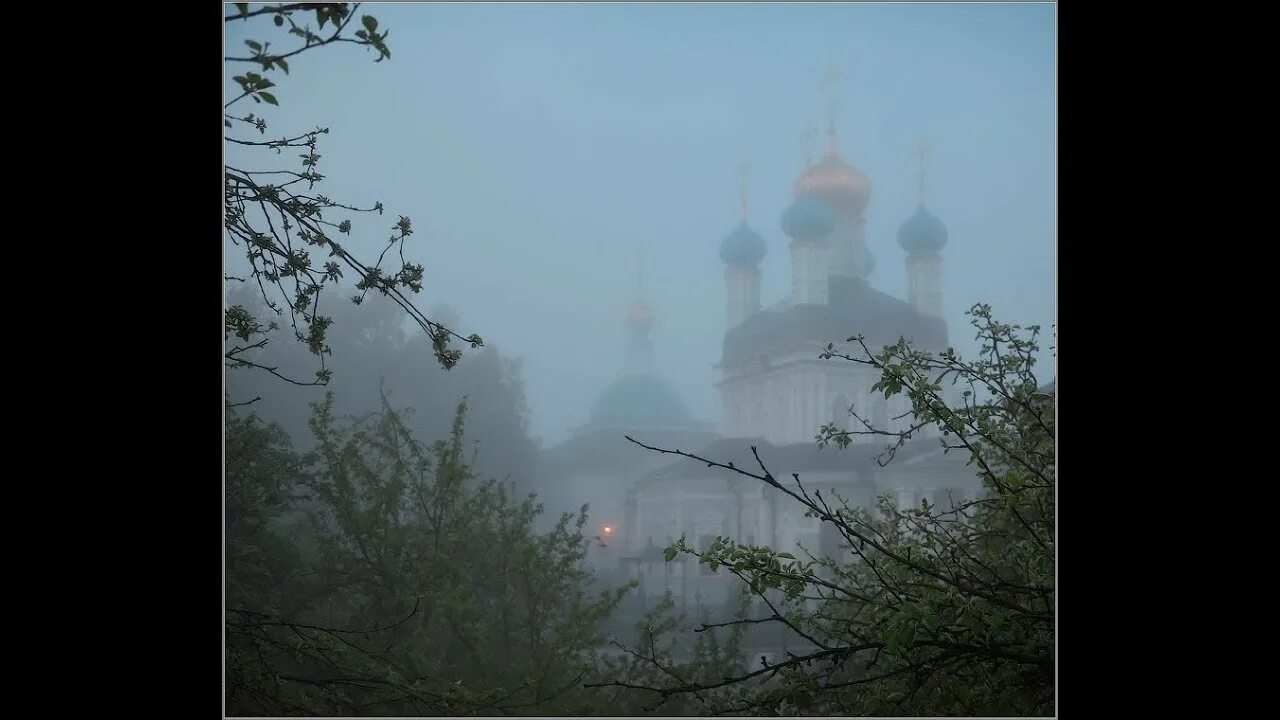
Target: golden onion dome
point(842, 186)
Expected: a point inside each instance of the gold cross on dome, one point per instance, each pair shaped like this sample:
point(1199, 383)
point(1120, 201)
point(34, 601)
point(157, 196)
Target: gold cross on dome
point(922, 150)
point(744, 168)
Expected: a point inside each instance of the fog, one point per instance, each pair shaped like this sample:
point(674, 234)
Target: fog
point(542, 149)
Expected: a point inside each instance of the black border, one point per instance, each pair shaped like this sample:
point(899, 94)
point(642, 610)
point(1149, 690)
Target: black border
point(168, 488)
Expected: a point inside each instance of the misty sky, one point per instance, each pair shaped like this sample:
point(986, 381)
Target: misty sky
point(539, 147)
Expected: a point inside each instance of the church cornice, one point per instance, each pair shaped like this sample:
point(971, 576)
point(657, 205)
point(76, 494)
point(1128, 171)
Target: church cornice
point(754, 371)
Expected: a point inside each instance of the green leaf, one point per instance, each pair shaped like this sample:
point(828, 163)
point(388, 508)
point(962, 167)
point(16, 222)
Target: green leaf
point(670, 554)
point(362, 34)
point(283, 65)
point(279, 21)
point(244, 8)
point(253, 45)
point(227, 123)
point(269, 98)
point(370, 23)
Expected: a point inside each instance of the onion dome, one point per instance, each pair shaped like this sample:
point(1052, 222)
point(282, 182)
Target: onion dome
point(842, 186)
point(808, 219)
point(922, 233)
point(640, 401)
point(639, 317)
point(743, 246)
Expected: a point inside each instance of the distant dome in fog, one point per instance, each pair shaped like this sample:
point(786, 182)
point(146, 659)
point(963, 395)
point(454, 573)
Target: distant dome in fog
point(808, 219)
point(639, 317)
point(841, 185)
point(639, 401)
point(743, 246)
point(922, 233)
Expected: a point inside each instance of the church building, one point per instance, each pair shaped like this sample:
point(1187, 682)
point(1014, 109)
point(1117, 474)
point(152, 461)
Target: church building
point(775, 393)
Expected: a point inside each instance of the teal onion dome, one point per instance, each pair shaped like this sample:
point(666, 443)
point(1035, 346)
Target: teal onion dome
point(743, 246)
point(808, 219)
point(640, 400)
point(922, 233)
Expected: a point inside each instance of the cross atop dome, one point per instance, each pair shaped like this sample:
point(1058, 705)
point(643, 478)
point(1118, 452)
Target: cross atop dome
point(639, 318)
point(922, 149)
point(830, 89)
point(806, 142)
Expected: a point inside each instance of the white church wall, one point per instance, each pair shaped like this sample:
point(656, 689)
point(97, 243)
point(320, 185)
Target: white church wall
point(796, 395)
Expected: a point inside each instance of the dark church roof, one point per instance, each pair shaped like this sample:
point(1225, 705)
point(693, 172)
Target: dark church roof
point(854, 308)
point(607, 450)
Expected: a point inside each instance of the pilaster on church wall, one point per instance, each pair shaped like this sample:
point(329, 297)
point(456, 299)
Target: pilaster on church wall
point(823, 391)
point(726, 412)
point(804, 398)
point(749, 533)
point(797, 399)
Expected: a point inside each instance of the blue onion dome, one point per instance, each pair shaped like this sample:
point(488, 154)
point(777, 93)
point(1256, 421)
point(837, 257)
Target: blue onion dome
point(809, 219)
point(639, 401)
point(743, 246)
point(922, 233)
